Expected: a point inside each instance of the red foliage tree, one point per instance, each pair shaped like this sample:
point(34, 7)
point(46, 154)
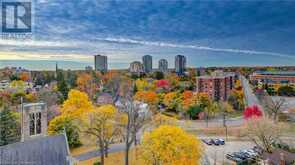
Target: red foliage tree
point(252, 111)
point(162, 83)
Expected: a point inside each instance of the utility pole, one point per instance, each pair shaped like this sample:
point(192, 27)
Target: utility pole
point(22, 119)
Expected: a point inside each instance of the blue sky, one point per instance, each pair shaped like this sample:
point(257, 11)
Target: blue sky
point(209, 33)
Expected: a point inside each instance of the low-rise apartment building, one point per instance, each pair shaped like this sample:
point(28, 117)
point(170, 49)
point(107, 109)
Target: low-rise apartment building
point(218, 85)
point(272, 77)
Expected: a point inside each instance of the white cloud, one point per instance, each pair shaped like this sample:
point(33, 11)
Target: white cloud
point(198, 47)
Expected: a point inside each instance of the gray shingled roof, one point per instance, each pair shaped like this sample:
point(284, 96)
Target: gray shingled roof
point(49, 150)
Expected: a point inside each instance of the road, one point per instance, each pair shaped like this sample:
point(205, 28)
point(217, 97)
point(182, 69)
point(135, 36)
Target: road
point(113, 148)
point(250, 97)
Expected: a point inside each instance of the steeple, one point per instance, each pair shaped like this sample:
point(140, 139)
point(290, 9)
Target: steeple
point(56, 69)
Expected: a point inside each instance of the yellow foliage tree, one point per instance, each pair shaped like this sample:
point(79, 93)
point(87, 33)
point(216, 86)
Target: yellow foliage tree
point(160, 119)
point(76, 105)
point(19, 85)
point(170, 145)
point(101, 125)
point(171, 100)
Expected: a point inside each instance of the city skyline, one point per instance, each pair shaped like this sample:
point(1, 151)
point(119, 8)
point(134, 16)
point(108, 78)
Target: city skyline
point(211, 33)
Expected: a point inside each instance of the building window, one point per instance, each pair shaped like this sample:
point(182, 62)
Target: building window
point(38, 123)
point(32, 124)
point(35, 123)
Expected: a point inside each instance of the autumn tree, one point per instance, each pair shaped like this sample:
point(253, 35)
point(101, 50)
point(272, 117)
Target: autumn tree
point(85, 83)
point(101, 124)
point(252, 112)
point(148, 97)
point(76, 105)
point(170, 145)
point(263, 132)
point(24, 76)
point(18, 85)
point(236, 99)
point(160, 119)
point(63, 123)
point(225, 109)
point(211, 108)
point(172, 100)
point(135, 119)
point(73, 109)
point(274, 106)
point(187, 99)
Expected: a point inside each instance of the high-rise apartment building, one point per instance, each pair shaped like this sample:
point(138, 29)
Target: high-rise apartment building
point(147, 61)
point(101, 63)
point(180, 64)
point(163, 65)
point(136, 67)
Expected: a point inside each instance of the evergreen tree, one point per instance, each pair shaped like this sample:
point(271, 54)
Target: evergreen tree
point(9, 127)
point(63, 88)
point(62, 85)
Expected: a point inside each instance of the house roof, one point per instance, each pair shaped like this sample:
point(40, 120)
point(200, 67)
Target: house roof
point(47, 150)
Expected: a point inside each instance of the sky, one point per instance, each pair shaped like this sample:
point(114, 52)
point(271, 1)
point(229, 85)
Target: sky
point(208, 33)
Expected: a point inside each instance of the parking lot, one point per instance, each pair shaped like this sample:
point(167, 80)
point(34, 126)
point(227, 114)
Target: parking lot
point(216, 154)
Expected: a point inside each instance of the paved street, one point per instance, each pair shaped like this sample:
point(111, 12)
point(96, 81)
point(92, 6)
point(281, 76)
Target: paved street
point(96, 153)
point(250, 97)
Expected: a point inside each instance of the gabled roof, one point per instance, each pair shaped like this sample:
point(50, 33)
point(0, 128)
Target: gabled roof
point(49, 150)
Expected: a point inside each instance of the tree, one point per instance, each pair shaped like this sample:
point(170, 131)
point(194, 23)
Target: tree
point(160, 119)
point(101, 125)
point(158, 75)
point(19, 85)
point(148, 97)
point(73, 110)
point(225, 108)
point(62, 123)
point(63, 88)
point(24, 76)
point(9, 127)
point(193, 111)
point(286, 91)
point(85, 83)
point(263, 132)
point(236, 99)
point(172, 100)
point(135, 119)
point(76, 105)
point(170, 145)
point(162, 84)
point(274, 106)
point(209, 107)
point(252, 112)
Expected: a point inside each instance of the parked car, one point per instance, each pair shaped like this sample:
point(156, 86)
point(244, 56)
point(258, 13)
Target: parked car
point(215, 142)
point(208, 142)
point(221, 141)
point(233, 158)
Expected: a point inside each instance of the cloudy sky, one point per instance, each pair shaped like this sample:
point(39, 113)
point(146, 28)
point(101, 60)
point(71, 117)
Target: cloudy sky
point(209, 33)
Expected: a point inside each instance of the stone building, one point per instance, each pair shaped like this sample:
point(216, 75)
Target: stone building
point(34, 120)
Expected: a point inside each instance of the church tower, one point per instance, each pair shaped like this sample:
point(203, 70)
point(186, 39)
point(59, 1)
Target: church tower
point(34, 120)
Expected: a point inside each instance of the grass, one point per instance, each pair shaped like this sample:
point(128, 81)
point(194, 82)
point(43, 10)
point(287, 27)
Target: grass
point(117, 159)
point(237, 131)
point(235, 114)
